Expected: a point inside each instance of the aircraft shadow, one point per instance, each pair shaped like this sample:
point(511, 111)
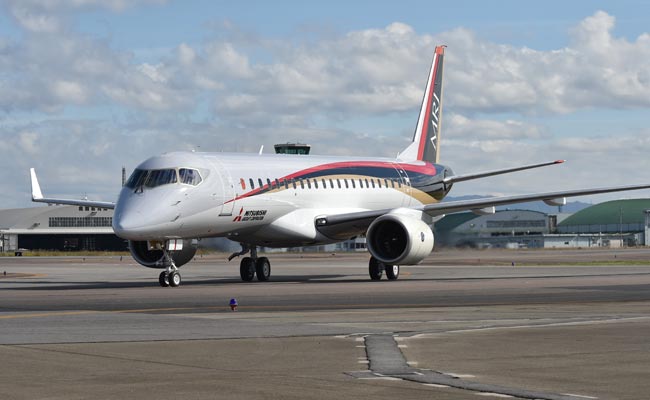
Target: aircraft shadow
point(93, 285)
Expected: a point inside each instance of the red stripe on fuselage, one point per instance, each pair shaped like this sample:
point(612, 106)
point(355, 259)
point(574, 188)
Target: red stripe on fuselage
point(427, 168)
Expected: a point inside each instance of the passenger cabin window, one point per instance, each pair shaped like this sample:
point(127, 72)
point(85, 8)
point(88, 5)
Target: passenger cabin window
point(259, 180)
point(189, 176)
point(250, 180)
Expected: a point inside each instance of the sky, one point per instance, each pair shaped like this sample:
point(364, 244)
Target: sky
point(89, 86)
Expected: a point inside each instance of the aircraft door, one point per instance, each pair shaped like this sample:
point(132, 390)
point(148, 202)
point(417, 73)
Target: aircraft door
point(228, 192)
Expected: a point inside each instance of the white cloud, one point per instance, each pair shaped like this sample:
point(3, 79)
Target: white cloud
point(69, 92)
point(28, 142)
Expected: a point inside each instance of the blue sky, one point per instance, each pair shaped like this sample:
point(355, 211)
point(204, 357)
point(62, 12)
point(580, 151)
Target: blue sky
point(87, 86)
point(540, 25)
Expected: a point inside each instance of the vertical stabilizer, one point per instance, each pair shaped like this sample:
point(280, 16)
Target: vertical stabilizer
point(426, 139)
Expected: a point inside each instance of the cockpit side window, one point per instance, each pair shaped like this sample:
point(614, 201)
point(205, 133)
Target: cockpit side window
point(189, 176)
point(159, 177)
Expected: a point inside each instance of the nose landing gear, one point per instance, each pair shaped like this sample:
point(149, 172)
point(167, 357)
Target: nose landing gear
point(170, 276)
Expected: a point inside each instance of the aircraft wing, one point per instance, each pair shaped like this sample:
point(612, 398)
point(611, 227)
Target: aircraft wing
point(37, 196)
point(478, 204)
point(339, 225)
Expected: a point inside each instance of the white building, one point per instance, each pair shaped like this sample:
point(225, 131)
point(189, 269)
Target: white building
point(58, 228)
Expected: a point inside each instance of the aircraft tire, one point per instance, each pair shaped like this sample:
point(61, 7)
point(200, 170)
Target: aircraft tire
point(263, 269)
point(163, 280)
point(392, 272)
point(375, 269)
point(174, 279)
point(247, 269)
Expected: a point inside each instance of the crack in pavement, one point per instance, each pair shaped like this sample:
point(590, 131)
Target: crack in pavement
point(386, 360)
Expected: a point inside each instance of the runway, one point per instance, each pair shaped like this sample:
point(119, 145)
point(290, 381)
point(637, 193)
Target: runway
point(102, 327)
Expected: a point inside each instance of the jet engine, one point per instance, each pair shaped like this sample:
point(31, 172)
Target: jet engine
point(398, 238)
point(153, 257)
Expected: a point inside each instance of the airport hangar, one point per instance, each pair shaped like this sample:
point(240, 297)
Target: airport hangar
point(610, 224)
point(618, 223)
point(65, 228)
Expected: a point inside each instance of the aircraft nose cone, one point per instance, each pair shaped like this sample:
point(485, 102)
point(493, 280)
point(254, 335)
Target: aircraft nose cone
point(129, 219)
point(127, 226)
point(146, 216)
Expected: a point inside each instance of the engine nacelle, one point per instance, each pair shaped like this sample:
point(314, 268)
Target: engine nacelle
point(154, 258)
point(396, 239)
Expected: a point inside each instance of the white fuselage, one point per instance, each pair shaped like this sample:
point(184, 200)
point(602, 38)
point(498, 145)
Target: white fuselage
point(269, 200)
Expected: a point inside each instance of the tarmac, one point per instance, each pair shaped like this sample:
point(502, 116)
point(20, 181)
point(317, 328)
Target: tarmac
point(564, 324)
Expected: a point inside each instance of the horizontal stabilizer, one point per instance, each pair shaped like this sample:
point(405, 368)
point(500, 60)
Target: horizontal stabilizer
point(467, 177)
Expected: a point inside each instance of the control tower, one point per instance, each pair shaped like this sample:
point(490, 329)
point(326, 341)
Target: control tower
point(292, 148)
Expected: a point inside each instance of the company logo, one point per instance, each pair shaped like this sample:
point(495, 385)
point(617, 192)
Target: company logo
point(433, 121)
point(250, 215)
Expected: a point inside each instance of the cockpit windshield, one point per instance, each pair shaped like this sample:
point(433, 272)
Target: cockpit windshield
point(136, 179)
point(158, 177)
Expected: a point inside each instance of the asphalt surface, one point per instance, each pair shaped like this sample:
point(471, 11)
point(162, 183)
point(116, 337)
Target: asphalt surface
point(464, 323)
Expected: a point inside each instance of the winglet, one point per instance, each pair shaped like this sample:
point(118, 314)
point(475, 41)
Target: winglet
point(36, 188)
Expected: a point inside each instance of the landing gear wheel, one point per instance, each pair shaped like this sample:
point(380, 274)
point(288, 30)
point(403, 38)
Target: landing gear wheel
point(263, 269)
point(392, 272)
point(375, 269)
point(247, 269)
point(174, 279)
point(163, 279)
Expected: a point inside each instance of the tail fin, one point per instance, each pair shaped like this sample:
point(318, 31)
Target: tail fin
point(426, 139)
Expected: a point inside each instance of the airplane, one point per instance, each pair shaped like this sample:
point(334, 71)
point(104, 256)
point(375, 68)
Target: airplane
point(279, 200)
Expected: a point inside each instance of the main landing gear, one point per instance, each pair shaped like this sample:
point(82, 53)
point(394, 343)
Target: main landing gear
point(170, 276)
point(251, 266)
point(376, 269)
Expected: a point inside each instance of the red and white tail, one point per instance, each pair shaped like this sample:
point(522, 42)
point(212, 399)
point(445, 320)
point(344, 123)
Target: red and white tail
point(426, 139)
